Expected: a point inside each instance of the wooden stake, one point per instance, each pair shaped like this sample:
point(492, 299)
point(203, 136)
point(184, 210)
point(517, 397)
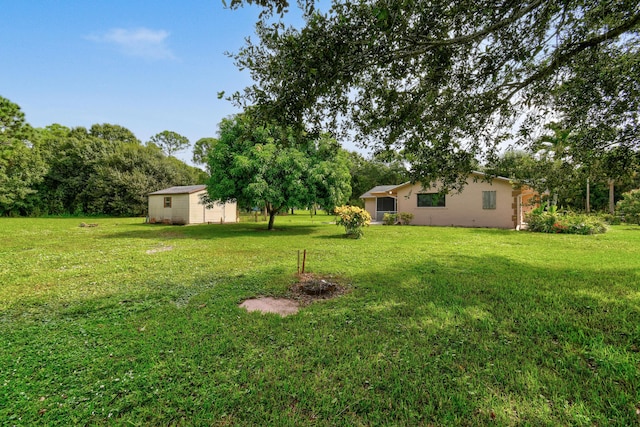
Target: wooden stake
point(298, 261)
point(304, 260)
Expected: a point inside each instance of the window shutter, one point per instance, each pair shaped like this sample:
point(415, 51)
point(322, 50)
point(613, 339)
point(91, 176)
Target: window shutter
point(488, 200)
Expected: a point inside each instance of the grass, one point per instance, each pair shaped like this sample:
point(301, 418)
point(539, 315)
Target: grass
point(134, 324)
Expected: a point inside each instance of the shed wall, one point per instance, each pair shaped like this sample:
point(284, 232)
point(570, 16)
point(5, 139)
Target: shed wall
point(187, 209)
point(178, 213)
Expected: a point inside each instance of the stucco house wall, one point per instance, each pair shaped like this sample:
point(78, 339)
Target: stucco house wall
point(370, 206)
point(494, 204)
point(182, 205)
point(463, 209)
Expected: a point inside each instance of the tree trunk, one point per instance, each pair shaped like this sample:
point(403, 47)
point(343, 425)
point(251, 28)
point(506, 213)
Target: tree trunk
point(612, 205)
point(588, 197)
point(272, 214)
point(272, 217)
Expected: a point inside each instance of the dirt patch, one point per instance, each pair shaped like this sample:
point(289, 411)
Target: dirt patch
point(160, 249)
point(281, 306)
point(309, 288)
point(312, 287)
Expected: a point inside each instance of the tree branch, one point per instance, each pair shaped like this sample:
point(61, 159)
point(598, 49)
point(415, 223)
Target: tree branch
point(564, 57)
point(480, 34)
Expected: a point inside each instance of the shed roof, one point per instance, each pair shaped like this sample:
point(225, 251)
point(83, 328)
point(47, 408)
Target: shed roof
point(181, 189)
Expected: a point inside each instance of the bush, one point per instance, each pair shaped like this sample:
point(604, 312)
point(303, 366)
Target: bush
point(389, 219)
point(610, 219)
point(405, 218)
point(354, 219)
point(551, 221)
point(629, 207)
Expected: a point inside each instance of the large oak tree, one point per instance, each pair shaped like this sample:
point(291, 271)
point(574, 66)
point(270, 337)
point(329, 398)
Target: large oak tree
point(448, 82)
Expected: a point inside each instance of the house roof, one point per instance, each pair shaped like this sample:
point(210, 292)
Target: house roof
point(381, 189)
point(182, 189)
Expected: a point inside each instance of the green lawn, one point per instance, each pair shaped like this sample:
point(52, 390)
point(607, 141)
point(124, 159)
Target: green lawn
point(134, 324)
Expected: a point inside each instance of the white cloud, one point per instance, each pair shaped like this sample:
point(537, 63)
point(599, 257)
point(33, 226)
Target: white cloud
point(140, 42)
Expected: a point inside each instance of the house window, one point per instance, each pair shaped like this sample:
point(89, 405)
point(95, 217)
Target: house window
point(488, 200)
point(386, 204)
point(167, 202)
point(431, 200)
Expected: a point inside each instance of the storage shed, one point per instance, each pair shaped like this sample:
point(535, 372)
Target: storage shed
point(183, 205)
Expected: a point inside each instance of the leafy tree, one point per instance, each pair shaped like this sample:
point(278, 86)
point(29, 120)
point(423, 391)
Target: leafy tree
point(57, 170)
point(600, 99)
point(170, 142)
point(113, 133)
point(541, 173)
point(124, 178)
point(91, 175)
point(629, 206)
point(446, 81)
point(73, 156)
point(21, 166)
point(518, 165)
point(69, 159)
point(378, 170)
point(328, 177)
point(201, 150)
point(556, 163)
point(273, 168)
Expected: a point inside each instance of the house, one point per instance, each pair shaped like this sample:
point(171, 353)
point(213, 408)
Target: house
point(495, 203)
point(183, 205)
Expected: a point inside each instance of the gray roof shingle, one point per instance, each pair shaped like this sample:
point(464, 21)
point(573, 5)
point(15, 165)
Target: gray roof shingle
point(181, 189)
point(378, 189)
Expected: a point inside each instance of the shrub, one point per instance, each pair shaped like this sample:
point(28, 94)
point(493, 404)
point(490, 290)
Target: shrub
point(389, 219)
point(354, 219)
point(551, 221)
point(629, 207)
point(610, 219)
point(405, 218)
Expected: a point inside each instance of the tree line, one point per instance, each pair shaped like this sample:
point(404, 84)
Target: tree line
point(106, 170)
point(103, 170)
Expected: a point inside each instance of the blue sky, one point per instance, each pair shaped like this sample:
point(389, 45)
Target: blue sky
point(146, 65)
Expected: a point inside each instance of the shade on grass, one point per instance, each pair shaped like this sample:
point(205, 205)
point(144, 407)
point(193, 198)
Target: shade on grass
point(441, 326)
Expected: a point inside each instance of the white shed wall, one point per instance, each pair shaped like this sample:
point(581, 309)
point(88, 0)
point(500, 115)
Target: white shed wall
point(187, 209)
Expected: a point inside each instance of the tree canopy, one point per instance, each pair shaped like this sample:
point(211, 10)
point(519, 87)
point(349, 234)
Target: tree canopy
point(201, 150)
point(95, 172)
point(170, 142)
point(60, 170)
point(271, 167)
point(366, 173)
point(21, 166)
point(449, 82)
point(553, 166)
